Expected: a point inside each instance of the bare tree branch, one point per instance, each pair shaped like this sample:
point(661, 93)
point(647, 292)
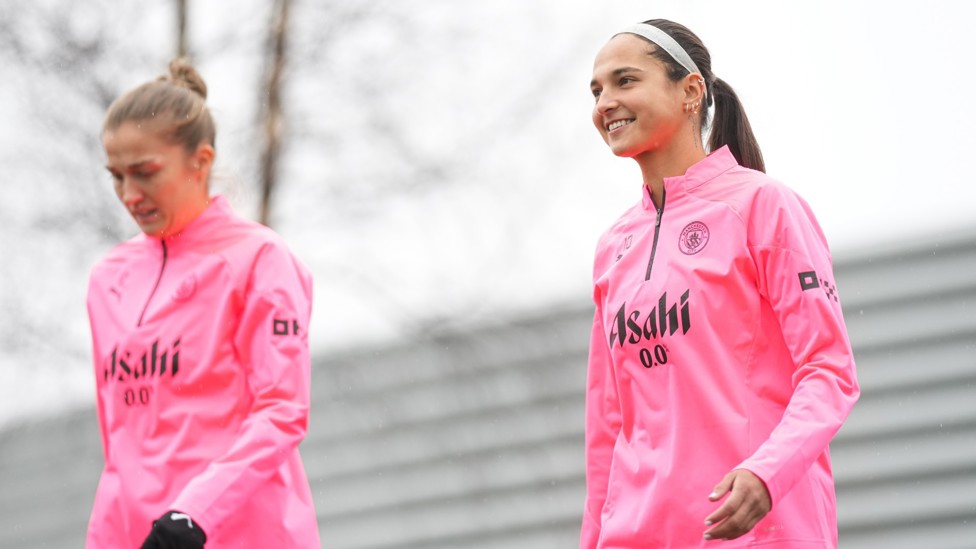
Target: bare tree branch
point(273, 118)
point(181, 17)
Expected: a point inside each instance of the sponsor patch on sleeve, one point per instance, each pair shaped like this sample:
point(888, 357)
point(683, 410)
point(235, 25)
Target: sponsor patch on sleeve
point(809, 280)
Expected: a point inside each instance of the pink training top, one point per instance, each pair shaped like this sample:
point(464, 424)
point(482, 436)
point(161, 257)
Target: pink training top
point(202, 369)
point(718, 344)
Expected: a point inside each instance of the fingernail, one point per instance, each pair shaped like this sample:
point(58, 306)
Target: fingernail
point(713, 495)
point(708, 523)
point(708, 536)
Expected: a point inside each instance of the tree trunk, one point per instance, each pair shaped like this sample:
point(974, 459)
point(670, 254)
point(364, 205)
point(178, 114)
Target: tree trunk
point(181, 17)
point(273, 119)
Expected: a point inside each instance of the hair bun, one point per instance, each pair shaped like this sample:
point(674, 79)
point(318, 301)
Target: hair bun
point(182, 73)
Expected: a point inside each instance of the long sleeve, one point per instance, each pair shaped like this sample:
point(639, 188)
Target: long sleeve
point(796, 277)
point(602, 426)
point(272, 343)
point(100, 406)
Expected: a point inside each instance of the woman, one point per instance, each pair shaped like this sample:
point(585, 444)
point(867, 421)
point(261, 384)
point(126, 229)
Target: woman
point(200, 342)
point(719, 365)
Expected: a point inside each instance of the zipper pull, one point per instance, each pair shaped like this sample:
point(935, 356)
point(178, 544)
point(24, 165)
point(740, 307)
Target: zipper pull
point(657, 223)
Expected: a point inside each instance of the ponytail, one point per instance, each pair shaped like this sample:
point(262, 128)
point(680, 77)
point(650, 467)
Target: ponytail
point(730, 126)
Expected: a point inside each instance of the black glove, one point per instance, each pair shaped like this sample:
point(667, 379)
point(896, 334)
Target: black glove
point(175, 530)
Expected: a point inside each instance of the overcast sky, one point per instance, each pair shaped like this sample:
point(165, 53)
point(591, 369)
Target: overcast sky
point(859, 106)
point(862, 107)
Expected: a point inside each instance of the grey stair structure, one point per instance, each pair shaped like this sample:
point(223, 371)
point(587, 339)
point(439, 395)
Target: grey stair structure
point(473, 438)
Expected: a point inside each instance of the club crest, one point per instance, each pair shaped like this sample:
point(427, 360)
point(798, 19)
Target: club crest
point(693, 238)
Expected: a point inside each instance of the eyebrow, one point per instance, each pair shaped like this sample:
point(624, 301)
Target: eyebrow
point(618, 72)
point(135, 165)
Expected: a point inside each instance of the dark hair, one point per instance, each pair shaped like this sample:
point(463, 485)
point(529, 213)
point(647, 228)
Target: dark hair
point(176, 103)
point(729, 126)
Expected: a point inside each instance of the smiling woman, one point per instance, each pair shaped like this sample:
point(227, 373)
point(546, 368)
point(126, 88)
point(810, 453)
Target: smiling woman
point(719, 364)
point(200, 343)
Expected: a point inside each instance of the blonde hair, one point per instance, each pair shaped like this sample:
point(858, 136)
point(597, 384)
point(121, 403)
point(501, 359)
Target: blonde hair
point(174, 103)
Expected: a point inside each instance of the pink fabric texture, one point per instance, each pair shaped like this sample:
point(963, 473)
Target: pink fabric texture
point(718, 343)
point(202, 369)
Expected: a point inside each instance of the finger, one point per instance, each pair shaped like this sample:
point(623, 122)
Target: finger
point(750, 508)
point(728, 508)
point(725, 486)
point(722, 487)
point(738, 523)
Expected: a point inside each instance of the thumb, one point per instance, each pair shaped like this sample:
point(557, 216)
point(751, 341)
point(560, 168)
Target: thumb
point(722, 487)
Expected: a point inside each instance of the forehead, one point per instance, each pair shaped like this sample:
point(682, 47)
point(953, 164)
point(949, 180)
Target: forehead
point(624, 50)
point(131, 139)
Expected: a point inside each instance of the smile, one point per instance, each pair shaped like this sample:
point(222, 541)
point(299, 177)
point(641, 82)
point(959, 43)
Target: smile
point(618, 123)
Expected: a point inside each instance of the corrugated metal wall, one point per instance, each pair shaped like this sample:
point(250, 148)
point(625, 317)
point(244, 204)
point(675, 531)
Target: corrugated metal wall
point(906, 459)
point(475, 439)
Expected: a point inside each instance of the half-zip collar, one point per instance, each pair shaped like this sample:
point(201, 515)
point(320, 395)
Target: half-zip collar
point(162, 269)
point(657, 231)
point(204, 225)
point(194, 231)
point(706, 169)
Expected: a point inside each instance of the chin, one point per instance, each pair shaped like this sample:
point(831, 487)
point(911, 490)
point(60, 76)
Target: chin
point(624, 152)
point(153, 230)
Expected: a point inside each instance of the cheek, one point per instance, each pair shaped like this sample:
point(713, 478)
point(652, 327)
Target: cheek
point(598, 122)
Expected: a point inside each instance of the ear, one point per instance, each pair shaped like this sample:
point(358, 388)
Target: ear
point(202, 158)
point(693, 86)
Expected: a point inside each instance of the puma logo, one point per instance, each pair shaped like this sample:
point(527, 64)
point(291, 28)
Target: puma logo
point(180, 516)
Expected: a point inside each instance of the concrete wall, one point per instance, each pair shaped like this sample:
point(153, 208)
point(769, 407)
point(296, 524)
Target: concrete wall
point(474, 440)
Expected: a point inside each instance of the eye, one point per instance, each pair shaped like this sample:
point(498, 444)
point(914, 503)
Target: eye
point(596, 92)
point(624, 80)
point(144, 174)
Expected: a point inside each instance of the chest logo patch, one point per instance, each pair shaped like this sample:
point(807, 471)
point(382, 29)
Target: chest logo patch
point(186, 289)
point(693, 238)
point(627, 242)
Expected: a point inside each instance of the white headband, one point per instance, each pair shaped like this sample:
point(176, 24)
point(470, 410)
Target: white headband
point(666, 43)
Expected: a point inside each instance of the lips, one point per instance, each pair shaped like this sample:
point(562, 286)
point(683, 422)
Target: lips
point(145, 216)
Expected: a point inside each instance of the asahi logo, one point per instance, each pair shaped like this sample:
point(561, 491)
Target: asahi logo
point(157, 361)
point(636, 326)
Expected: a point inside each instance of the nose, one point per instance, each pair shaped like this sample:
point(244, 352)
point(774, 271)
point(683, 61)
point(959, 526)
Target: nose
point(605, 103)
point(129, 193)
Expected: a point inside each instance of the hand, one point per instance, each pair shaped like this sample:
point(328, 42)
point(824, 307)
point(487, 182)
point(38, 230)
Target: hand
point(175, 530)
point(748, 503)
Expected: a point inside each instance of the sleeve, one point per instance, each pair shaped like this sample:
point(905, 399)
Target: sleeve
point(93, 323)
point(796, 277)
point(602, 425)
point(272, 343)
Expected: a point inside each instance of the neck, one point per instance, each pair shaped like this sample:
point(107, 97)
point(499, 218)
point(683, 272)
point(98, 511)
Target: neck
point(667, 162)
point(187, 217)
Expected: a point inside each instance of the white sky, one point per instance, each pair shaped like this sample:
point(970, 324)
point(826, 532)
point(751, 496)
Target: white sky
point(862, 107)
